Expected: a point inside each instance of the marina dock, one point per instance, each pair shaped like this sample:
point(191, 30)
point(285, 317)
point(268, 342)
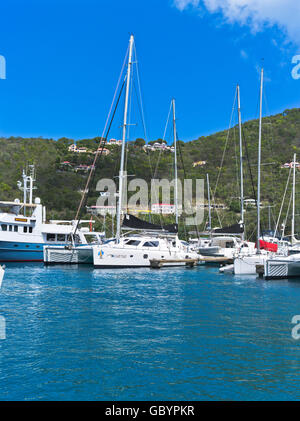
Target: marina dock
point(158, 263)
point(216, 259)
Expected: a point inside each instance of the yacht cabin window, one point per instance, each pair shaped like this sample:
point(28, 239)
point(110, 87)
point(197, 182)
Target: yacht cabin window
point(4, 227)
point(61, 237)
point(229, 244)
point(74, 238)
point(16, 228)
point(132, 243)
point(50, 237)
point(151, 244)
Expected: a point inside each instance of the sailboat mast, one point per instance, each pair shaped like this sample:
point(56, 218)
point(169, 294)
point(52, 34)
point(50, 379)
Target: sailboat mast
point(259, 160)
point(294, 194)
point(121, 172)
point(175, 163)
point(208, 198)
point(241, 157)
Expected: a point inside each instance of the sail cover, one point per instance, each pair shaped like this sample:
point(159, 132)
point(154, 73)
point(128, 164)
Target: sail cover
point(265, 245)
point(133, 222)
point(233, 229)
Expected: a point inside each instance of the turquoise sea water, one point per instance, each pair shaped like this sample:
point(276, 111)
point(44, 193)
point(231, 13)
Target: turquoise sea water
point(171, 334)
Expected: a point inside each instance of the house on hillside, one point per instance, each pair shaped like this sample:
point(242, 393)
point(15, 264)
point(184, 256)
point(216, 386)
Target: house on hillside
point(157, 146)
point(72, 148)
point(114, 142)
point(104, 151)
point(75, 149)
point(250, 202)
point(290, 165)
point(148, 148)
point(82, 149)
point(83, 168)
point(163, 208)
point(199, 164)
point(101, 210)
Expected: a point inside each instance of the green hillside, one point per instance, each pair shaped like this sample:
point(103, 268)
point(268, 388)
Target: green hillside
point(59, 185)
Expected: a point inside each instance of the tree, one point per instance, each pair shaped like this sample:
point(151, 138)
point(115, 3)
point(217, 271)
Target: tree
point(140, 142)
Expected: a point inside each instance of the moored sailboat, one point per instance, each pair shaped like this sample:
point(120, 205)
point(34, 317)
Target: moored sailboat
point(288, 266)
point(227, 242)
point(246, 264)
point(147, 241)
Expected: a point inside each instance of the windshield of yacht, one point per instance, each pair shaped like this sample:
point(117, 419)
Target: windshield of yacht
point(111, 240)
point(151, 244)
point(91, 238)
point(132, 243)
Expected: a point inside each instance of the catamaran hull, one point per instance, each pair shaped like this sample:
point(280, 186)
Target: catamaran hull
point(112, 258)
point(119, 266)
point(124, 265)
point(281, 269)
point(246, 265)
point(61, 255)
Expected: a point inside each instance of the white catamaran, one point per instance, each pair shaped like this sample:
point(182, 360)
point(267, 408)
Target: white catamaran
point(152, 241)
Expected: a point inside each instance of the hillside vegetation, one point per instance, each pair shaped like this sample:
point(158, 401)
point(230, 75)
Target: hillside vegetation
point(59, 188)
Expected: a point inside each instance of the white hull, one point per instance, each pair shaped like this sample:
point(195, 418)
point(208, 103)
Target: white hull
point(229, 247)
point(246, 265)
point(210, 251)
point(2, 271)
point(282, 267)
point(68, 255)
point(126, 256)
point(227, 269)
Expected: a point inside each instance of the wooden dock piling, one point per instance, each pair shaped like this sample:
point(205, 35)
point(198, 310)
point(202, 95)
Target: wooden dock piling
point(216, 259)
point(158, 263)
point(260, 270)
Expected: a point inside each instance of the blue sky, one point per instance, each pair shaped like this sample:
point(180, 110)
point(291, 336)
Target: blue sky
point(63, 59)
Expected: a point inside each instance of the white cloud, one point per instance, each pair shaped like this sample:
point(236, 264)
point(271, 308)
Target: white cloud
point(256, 14)
point(183, 4)
point(244, 55)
